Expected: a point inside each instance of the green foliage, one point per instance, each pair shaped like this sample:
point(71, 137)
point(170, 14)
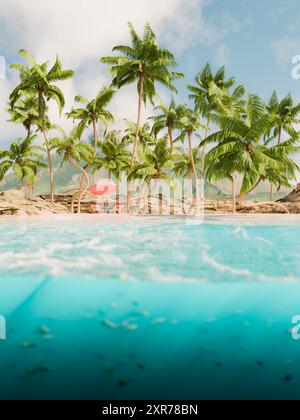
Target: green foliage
point(251, 138)
point(93, 110)
point(23, 158)
point(114, 155)
point(143, 62)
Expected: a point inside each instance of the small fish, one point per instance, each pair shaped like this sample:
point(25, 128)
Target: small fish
point(141, 366)
point(159, 321)
point(28, 345)
point(143, 312)
point(39, 369)
point(288, 378)
point(219, 365)
point(109, 369)
point(132, 327)
point(49, 337)
point(110, 324)
point(43, 330)
point(122, 383)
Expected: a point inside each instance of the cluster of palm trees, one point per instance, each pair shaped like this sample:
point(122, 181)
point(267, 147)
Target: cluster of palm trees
point(224, 134)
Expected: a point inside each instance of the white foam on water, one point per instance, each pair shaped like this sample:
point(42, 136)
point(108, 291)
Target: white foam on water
point(266, 241)
point(158, 277)
point(242, 233)
point(222, 268)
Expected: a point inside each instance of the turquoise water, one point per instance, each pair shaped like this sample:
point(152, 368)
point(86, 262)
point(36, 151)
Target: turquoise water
point(145, 310)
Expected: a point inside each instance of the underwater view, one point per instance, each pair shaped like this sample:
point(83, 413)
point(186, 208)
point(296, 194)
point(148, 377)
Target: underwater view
point(148, 309)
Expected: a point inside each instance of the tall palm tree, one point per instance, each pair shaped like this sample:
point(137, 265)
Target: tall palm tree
point(144, 63)
point(286, 113)
point(76, 153)
point(169, 118)
point(94, 111)
point(190, 124)
point(246, 143)
point(37, 80)
point(211, 94)
point(23, 158)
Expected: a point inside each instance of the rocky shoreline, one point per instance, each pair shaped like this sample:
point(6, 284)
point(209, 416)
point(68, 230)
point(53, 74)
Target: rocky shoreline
point(16, 203)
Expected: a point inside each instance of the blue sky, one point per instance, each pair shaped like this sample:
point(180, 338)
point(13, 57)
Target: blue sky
point(256, 40)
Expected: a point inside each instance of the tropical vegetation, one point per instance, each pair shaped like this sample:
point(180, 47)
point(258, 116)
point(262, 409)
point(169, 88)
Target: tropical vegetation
point(223, 133)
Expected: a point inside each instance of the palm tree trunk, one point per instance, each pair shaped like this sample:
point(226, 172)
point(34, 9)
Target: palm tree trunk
point(233, 194)
point(271, 192)
point(253, 188)
point(50, 165)
point(95, 133)
point(279, 142)
point(170, 131)
point(29, 130)
point(203, 155)
point(194, 171)
point(149, 197)
point(138, 125)
point(82, 190)
point(42, 110)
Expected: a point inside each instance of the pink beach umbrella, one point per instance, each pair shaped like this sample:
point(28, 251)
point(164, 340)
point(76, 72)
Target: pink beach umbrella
point(104, 187)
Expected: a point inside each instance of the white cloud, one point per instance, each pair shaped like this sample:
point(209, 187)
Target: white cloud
point(286, 48)
point(81, 31)
point(222, 54)
point(190, 27)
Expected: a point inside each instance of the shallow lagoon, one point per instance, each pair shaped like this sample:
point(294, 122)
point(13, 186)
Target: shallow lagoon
point(145, 309)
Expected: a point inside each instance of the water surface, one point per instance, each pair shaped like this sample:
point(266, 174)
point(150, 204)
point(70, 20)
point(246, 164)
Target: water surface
point(145, 309)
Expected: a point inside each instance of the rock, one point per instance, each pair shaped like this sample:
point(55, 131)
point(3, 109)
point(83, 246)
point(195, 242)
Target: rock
point(15, 202)
point(293, 197)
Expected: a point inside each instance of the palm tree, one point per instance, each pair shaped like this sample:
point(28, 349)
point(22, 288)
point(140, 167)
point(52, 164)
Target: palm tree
point(247, 145)
point(25, 112)
point(23, 158)
point(183, 165)
point(155, 164)
point(225, 166)
point(146, 136)
point(114, 157)
point(211, 94)
point(144, 63)
point(169, 118)
point(94, 111)
point(286, 113)
point(75, 152)
point(190, 124)
point(38, 81)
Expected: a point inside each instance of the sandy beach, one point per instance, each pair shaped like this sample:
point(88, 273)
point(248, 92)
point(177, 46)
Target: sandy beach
point(121, 218)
